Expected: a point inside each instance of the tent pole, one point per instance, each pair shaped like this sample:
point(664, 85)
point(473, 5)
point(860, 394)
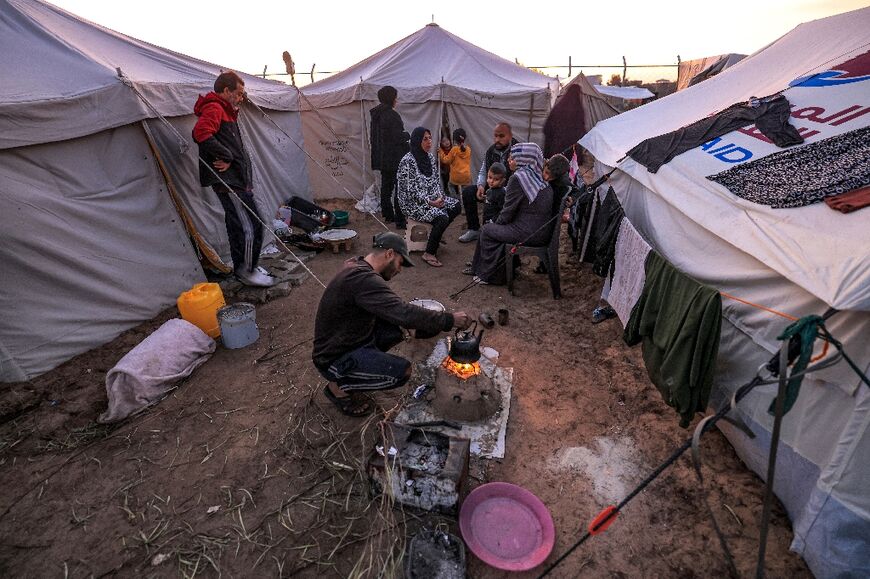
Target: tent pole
point(531, 112)
point(363, 134)
point(440, 125)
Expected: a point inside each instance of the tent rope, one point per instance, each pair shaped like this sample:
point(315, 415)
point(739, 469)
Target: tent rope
point(257, 217)
point(182, 142)
point(609, 514)
point(253, 213)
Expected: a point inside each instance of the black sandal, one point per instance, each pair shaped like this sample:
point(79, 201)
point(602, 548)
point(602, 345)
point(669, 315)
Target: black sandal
point(348, 405)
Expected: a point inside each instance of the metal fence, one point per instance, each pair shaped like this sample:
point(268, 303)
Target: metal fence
point(668, 70)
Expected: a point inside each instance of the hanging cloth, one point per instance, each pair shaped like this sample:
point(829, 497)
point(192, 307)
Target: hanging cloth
point(629, 275)
point(804, 175)
point(769, 114)
point(679, 322)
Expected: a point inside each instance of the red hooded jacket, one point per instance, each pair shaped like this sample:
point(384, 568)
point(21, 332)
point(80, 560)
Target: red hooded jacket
point(218, 136)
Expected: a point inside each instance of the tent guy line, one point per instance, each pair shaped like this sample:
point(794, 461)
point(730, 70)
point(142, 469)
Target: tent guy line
point(603, 520)
point(265, 227)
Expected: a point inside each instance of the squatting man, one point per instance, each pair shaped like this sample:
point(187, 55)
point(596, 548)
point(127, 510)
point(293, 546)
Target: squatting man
point(360, 318)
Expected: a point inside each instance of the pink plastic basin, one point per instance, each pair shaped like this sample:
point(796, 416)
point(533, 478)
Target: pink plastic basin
point(507, 527)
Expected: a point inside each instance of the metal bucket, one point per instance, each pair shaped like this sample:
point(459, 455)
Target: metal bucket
point(238, 325)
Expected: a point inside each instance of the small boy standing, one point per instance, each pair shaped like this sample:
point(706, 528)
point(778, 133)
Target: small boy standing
point(494, 196)
point(459, 161)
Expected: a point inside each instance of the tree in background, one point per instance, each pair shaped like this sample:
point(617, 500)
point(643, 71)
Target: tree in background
point(615, 80)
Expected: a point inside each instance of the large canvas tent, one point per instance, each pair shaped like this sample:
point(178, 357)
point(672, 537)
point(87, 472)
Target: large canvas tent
point(799, 261)
point(437, 75)
point(91, 242)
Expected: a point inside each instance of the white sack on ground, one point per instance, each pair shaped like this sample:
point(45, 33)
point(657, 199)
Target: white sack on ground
point(371, 200)
point(152, 368)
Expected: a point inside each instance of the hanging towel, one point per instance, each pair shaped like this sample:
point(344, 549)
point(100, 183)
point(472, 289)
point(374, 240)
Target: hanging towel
point(574, 169)
point(151, 369)
point(679, 322)
point(625, 288)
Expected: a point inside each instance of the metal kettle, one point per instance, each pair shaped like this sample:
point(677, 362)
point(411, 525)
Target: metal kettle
point(465, 347)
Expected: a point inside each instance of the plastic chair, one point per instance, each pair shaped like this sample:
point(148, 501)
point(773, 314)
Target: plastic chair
point(549, 254)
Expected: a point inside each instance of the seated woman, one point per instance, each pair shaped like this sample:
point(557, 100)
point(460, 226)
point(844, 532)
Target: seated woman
point(556, 173)
point(420, 195)
point(526, 217)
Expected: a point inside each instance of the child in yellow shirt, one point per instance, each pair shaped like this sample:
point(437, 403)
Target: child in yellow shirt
point(459, 161)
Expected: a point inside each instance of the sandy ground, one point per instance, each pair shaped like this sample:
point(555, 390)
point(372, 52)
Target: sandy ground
point(247, 470)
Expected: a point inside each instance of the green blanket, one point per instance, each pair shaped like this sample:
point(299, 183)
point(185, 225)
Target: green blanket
point(679, 322)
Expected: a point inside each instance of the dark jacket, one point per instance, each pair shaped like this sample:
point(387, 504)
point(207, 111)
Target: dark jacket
point(353, 300)
point(561, 188)
point(389, 140)
point(493, 155)
point(494, 203)
point(217, 134)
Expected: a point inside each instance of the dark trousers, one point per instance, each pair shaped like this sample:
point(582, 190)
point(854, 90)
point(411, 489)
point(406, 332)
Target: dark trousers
point(389, 200)
point(469, 201)
point(439, 226)
point(245, 233)
point(370, 367)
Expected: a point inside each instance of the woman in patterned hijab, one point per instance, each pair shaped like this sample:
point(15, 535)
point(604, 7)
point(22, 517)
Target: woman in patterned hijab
point(527, 162)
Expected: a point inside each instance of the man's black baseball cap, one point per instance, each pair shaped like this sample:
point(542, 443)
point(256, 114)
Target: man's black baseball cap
point(390, 240)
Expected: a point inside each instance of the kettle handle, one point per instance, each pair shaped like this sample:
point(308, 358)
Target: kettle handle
point(468, 332)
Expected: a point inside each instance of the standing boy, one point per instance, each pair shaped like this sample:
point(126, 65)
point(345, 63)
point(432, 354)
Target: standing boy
point(226, 168)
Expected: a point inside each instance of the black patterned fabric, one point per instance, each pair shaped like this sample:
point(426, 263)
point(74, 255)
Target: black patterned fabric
point(805, 175)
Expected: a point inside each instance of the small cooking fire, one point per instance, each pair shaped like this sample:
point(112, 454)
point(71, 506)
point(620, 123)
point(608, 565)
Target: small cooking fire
point(462, 391)
point(461, 370)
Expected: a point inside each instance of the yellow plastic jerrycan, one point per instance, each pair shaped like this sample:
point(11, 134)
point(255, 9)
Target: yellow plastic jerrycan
point(199, 306)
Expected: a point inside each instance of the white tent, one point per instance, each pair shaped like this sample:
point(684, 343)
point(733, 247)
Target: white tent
point(437, 74)
point(799, 261)
point(91, 242)
point(624, 92)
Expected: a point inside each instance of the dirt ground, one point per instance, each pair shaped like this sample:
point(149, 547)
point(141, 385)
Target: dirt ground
point(247, 470)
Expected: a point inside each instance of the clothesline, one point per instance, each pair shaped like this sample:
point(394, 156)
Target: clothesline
point(773, 311)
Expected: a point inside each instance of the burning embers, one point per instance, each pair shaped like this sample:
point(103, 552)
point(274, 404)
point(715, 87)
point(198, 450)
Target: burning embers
point(461, 370)
point(462, 391)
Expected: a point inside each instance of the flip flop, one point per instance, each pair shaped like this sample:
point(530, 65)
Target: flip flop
point(348, 405)
point(432, 261)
